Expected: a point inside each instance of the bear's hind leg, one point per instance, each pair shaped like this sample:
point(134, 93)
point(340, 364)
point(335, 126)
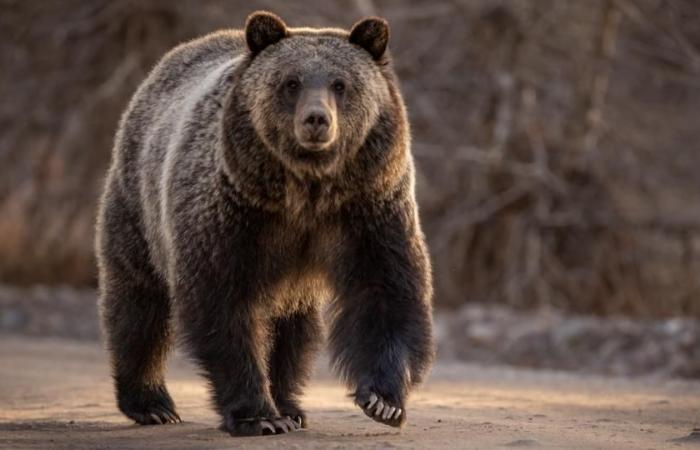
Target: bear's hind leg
point(137, 327)
point(135, 311)
point(296, 339)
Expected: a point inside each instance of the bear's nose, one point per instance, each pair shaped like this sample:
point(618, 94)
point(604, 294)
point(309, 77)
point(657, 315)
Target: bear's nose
point(317, 123)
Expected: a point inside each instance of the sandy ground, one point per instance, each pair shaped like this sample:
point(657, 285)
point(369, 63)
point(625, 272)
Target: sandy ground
point(56, 394)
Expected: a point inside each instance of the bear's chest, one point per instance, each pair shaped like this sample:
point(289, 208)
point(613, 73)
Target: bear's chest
point(308, 202)
point(295, 264)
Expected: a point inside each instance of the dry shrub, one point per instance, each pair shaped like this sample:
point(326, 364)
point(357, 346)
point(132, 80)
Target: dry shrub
point(552, 201)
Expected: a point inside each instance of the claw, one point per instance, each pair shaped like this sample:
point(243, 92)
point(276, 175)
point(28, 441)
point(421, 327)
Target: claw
point(380, 407)
point(267, 427)
point(381, 411)
point(156, 418)
point(372, 400)
point(281, 425)
point(176, 416)
point(293, 423)
point(286, 425)
point(168, 416)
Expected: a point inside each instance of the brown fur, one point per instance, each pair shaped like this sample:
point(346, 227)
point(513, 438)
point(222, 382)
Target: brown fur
point(216, 216)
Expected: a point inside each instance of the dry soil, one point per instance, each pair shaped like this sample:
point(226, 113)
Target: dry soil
point(56, 394)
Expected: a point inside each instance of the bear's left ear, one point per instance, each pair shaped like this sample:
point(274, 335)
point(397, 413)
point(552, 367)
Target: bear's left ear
point(263, 28)
point(372, 34)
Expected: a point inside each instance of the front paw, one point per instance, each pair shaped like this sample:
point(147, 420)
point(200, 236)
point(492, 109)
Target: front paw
point(260, 426)
point(381, 409)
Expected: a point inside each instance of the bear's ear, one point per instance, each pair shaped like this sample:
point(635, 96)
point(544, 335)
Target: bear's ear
point(372, 34)
point(263, 28)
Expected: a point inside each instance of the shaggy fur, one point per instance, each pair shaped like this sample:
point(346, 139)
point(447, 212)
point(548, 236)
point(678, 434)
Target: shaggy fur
point(218, 219)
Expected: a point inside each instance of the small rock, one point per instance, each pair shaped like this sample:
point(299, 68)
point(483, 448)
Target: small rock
point(523, 443)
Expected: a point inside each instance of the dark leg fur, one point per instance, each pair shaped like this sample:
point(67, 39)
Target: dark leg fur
point(135, 316)
point(296, 339)
point(232, 354)
point(381, 338)
point(226, 336)
point(230, 347)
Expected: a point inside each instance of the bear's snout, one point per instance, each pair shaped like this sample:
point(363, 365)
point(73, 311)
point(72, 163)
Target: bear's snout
point(315, 122)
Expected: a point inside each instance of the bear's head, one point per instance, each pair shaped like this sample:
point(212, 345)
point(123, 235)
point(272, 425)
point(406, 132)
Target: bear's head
point(314, 95)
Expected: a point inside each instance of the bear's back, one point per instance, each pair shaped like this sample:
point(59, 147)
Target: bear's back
point(155, 124)
point(164, 92)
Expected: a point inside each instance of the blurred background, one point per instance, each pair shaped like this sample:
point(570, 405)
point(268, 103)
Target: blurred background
point(557, 146)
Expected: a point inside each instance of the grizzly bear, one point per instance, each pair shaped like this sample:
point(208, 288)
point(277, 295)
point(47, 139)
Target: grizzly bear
point(259, 178)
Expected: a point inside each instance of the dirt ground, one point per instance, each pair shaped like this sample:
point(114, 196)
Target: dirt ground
point(56, 394)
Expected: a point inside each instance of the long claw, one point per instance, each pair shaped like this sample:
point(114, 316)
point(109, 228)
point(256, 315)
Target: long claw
point(380, 407)
point(385, 414)
point(398, 413)
point(157, 418)
point(372, 400)
point(281, 425)
point(169, 417)
point(293, 423)
point(267, 426)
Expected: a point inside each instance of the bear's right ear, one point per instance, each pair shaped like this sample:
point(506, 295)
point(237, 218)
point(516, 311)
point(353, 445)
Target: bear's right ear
point(263, 28)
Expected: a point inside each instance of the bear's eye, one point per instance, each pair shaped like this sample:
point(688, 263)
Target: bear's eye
point(338, 87)
point(292, 85)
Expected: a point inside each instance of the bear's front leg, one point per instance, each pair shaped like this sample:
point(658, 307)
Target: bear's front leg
point(230, 344)
point(216, 291)
point(381, 335)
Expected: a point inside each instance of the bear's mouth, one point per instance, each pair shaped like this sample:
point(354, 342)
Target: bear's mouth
point(314, 160)
point(316, 156)
point(315, 146)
